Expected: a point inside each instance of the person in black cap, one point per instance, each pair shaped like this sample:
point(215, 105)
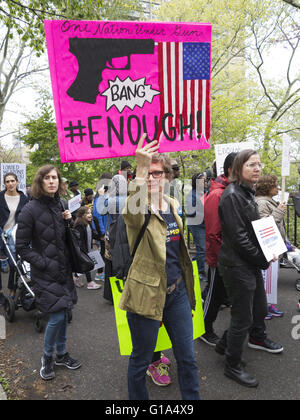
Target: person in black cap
point(126, 170)
point(74, 187)
point(88, 198)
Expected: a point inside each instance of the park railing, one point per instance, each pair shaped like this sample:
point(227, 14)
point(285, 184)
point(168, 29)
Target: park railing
point(292, 225)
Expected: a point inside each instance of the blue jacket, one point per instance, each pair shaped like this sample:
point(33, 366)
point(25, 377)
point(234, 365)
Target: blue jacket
point(102, 219)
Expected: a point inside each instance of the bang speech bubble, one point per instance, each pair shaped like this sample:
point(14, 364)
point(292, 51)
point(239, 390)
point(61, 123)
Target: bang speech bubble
point(130, 93)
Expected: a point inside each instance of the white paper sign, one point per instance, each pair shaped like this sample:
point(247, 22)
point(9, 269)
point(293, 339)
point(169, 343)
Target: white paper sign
point(278, 198)
point(269, 237)
point(286, 156)
point(16, 168)
point(223, 150)
point(75, 203)
point(97, 259)
point(270, 277)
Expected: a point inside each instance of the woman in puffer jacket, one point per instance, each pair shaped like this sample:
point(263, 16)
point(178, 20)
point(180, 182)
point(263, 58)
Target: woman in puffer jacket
point(41, 240)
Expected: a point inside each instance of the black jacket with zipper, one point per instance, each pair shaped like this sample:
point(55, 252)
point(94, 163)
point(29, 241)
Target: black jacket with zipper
point(41, 240)
point(4, 210)
point(240, 246)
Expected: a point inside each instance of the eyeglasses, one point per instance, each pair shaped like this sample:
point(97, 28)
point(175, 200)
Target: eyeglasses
point(255, 165)
point(156, 174)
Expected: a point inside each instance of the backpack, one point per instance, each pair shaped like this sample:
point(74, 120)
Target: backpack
point(119, 246)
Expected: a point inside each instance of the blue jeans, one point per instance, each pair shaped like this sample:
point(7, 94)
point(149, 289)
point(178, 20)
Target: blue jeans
point(55, 335)
point(198, 232)
point(177, 318)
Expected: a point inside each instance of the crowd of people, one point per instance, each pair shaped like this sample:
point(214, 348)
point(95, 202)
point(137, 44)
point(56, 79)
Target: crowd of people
point(159, 285)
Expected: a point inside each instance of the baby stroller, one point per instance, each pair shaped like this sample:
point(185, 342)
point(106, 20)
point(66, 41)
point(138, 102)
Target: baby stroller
point(294, 262)
point(24, 296)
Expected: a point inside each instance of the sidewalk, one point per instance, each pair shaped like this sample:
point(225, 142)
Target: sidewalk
point(2, 394)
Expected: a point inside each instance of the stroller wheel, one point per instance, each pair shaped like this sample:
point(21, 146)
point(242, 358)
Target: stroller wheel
point(9, 309)
point(297, 284)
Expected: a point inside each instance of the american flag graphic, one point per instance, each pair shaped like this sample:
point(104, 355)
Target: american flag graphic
point(184, 83)
point(265, 233)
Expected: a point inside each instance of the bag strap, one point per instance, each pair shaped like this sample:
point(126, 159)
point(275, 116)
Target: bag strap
point(141, 234)
point(64, 208)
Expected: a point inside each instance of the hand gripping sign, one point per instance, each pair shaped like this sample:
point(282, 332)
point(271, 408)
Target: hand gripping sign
point(114, 81)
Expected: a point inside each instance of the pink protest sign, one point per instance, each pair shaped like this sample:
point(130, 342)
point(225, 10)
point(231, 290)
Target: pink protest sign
point(114, 81)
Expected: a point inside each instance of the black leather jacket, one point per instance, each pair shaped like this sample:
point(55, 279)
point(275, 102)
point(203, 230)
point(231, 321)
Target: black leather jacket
point(240, 246)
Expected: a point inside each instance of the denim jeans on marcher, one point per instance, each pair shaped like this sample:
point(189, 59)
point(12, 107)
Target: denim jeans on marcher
point(56, 334)
point(198, 232)
point(177, 318)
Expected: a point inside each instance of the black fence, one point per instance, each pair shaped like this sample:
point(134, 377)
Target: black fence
point(292, 225)
point(292, 228)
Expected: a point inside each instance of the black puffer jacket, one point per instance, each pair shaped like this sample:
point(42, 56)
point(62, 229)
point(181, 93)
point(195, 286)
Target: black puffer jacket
point(240, 246)
point(41, 241)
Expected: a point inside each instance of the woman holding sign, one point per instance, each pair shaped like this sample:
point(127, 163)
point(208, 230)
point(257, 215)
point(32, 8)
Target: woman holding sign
point(267, 188)
point(241, 261)
point(160, 283)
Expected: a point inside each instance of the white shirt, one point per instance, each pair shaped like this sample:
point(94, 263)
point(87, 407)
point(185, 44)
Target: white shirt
point(12, 203)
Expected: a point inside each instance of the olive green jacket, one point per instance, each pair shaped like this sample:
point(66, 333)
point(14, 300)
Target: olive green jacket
point(145, 288)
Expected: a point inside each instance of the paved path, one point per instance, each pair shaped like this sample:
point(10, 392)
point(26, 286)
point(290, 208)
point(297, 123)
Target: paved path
point(92, 338)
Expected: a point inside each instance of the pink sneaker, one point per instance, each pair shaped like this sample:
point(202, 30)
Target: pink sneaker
point(164, 360)
point(159, 373)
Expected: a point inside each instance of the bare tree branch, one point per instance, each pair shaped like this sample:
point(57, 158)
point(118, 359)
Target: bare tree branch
point(293, 3)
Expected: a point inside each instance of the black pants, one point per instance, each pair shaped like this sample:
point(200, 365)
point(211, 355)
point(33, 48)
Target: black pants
point(107, 292)
point(246, 292)
point(215, 296)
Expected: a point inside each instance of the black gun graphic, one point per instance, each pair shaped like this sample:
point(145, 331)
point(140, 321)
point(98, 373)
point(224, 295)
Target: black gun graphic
point(95, 55)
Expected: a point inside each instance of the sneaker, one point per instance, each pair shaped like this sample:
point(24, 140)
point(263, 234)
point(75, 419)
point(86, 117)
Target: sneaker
point(268, 317)
point(202, 277)
point(267, 345)
point(298, 305)
point(276, 313)
point(210, 338)
point(164, 360)
point(159, 374)
point(93, 286)
point(78, 283)
point(3, 257)
point(67, 361)
point(100, 277)
point(47, 372)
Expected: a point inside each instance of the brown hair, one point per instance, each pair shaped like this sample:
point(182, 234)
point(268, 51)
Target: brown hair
point(80, 213)
point(239, 161)
point(10, 174)
point(166, 164)
point(37, 190)
point(265, 185)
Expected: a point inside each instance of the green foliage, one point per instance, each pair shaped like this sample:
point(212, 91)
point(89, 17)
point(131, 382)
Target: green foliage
point(40, 135)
